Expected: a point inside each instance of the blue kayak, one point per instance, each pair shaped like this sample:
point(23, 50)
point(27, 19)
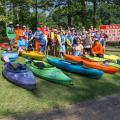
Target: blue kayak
point(12, 56)
point(19, 75)
point(75, 68)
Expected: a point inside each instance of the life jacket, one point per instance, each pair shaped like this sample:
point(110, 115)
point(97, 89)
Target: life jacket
point(70, 38)
point(37, 34)
point(62, 39)
point(42, 40)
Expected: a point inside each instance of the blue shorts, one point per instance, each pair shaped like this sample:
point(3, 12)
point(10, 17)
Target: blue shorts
point(42, 47)
point(62, 49)
point(77, 53)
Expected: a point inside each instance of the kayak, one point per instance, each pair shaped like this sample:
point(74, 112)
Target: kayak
point(12, 56)
point(90, 64)
point(75, 68)
point(4, 46)
point(112, 57)
point(19, 75)
point(33, 55)
point(48, 72)
point(97, 59)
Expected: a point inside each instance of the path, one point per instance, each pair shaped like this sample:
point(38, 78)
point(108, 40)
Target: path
point(105, 108)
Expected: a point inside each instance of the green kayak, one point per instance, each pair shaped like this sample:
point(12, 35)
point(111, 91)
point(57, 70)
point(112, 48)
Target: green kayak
point(48, 72)
point(97, 59)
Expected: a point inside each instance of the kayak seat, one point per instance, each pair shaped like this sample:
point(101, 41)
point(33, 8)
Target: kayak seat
point(73, 63)
point(17, 67)
point(39, 65)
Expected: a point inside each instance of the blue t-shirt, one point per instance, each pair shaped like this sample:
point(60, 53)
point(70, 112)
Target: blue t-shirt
point(97, 36)
point(22, 43)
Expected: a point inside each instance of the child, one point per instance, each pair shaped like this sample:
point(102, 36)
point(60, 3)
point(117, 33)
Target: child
point(78, 48)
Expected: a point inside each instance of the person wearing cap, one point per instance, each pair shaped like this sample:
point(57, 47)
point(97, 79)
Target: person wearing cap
point(78, 48)
point(25, 32)
point(11, 33)
point(18, 31)
point(97, 49)
point(10, 28)
point(22, 44)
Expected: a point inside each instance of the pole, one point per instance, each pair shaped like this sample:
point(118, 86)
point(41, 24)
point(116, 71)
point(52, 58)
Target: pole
point(36, 12)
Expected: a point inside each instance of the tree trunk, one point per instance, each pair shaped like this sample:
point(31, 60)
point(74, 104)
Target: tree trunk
point(69, 16)
point(94, 13)
point(36, 12)
point(83, 12)
point(69, 20)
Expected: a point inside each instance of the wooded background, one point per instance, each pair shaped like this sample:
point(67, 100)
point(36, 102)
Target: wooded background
point(73, 13)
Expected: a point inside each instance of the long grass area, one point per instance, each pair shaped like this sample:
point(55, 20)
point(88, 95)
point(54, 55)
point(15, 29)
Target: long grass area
point(48, 96)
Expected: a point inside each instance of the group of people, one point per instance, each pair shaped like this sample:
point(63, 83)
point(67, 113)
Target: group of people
point(57, 41)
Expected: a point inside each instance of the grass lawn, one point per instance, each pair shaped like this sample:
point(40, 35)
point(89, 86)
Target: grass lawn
point(48, 96)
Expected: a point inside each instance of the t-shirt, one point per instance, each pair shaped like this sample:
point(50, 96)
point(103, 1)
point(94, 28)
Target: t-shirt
point(78, 48)
point(22, 43)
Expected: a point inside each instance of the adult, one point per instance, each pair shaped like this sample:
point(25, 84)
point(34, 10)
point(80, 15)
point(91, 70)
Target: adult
point(97, 49)
point(18, 31)
point(87, 43)
point(11, 33)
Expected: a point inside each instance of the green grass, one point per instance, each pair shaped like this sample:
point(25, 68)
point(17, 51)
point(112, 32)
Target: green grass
point(16, 101)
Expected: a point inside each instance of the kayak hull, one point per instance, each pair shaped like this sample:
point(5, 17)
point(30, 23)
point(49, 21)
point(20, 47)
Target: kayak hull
point(50, 73)
point(90, 64)
point(12, 56)
point(27, 80)
point(33, 55)
point(79, 69)
point(97, 59)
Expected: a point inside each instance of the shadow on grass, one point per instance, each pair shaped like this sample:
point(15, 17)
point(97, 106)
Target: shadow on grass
point(83, 89)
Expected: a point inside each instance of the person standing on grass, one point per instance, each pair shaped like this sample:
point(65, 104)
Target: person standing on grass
point(69, 41)
point(37, 35)
point(61, 40)
point(78, 48)
point(43, 43)
point(87, 43)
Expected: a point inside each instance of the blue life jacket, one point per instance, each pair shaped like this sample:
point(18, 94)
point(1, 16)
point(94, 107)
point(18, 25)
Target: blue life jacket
point(102, 42)
point(26, 33)
point(70, 38)
point(62, 39)
point(42, 40)
point(38, 34)
point(97, 36)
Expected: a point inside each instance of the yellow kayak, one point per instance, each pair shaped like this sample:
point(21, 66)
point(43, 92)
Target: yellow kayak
point(33, 55)
point(112, 57)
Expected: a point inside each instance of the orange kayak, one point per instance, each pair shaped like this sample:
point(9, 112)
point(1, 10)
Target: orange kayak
point(91, 64)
